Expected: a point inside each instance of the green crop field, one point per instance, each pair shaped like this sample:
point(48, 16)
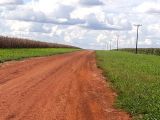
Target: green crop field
point(15, 54)
point(136, 79)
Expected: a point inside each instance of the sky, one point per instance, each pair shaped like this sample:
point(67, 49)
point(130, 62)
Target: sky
point(89, 24)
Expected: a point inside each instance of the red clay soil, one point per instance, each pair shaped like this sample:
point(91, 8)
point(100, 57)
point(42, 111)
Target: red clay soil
point(61, 87)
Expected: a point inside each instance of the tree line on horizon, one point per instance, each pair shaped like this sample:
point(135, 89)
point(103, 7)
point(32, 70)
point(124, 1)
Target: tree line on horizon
point(13, 42)
point(153, 51)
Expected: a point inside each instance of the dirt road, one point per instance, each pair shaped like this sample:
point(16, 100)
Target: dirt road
point(62, 87)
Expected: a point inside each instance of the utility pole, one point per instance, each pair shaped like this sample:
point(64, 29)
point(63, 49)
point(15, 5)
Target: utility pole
point(117, 42)
point(106, 45)
point(138, 25)
point(110, 45)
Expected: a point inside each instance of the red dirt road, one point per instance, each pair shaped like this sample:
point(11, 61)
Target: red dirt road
point(62, 87)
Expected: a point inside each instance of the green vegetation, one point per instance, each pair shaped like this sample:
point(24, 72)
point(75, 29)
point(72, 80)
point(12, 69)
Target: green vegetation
point(15, 54)
point(153, 51)
point(136, 78)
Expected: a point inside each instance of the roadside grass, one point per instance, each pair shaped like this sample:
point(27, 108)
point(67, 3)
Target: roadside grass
point(136, 79)
point(16, 54)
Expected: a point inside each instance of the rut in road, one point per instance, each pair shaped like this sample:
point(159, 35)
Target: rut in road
point(61, 87)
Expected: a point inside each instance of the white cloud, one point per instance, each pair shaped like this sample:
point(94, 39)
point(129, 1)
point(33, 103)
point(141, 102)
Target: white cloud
point(10, 2)
point(91, 2)
point(148, 7)
point(85, 23)
point(146, 42)
point(93, 23)
point(101, 38)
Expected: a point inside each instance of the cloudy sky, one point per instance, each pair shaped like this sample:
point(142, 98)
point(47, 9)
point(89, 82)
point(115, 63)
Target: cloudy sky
point(84, 23)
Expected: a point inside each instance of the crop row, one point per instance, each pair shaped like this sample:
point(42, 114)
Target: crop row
point(136, 79)
point(8, 42)
point(153, 51)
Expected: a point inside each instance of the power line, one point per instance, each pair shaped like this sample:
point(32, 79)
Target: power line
point(138, 25)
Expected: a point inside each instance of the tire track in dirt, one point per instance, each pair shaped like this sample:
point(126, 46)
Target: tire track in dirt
point(61, 87)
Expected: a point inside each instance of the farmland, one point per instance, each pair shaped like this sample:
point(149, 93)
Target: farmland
point(15, 54)
point(17, 48)
point(153, 51)
point(136, 79)
point(10, 42)
point(67, 86)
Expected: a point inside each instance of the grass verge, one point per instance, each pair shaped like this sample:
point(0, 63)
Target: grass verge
point(136, 78)
point(16, 54)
